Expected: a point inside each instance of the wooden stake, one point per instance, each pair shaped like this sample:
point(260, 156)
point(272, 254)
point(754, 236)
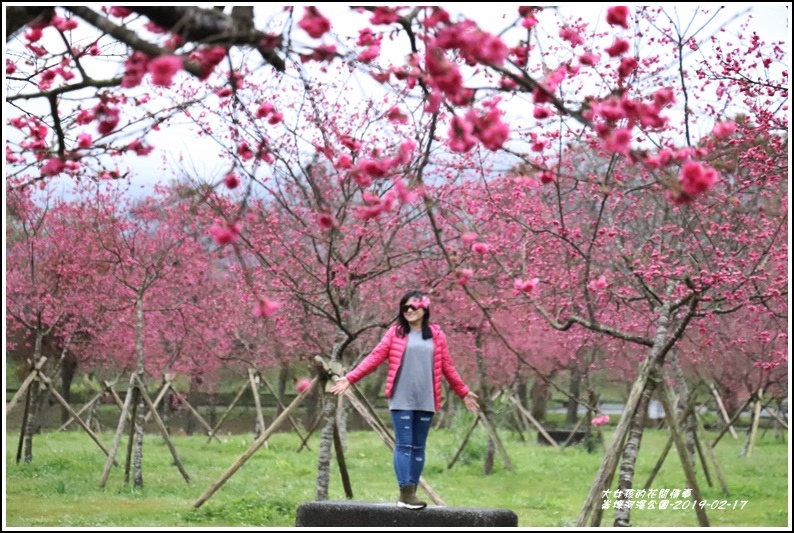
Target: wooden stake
point(255, 446)
point(666, 396)
point(214, 431)
point(281, 405)
point(166, 386)
point(119, 431)
point(713, 458)
point(312, 429)
point(495, 436)
point(136, 398)
point(198, 417)
point(537, 424)
point(25, 384)
point(756, 418)
point(260, 418)
point(340, 454)
point(75, 416)
point(730, 424)
point(723, 411)
point(463, 442)
point(88, 404)
point(25, 415)
point(163, 430)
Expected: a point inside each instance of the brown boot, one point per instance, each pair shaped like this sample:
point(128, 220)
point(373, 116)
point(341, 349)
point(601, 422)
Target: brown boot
point(408, 499)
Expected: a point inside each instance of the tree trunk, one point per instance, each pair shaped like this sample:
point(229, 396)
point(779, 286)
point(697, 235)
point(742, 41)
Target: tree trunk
point(312, 406)
point(630, 453)
point(522, 392)
point(540, 394)
point(485, 398)
point(662, 343)
point(326, 443)
point(329, 406)
point(137, 463)
point(137, 457)
point(281, 386)
point(68, 370)
point(690, 424)
point(574, 390)
point(36, 399)
point(730, 400)
point(490, 453)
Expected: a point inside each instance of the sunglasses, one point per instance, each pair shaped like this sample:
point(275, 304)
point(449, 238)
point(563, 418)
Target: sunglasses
point(407, 308)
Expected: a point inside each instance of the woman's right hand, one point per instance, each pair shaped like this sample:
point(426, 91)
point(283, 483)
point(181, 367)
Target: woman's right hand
point(340, 385)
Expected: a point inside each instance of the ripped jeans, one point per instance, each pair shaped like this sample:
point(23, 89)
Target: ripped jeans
point(410, 433)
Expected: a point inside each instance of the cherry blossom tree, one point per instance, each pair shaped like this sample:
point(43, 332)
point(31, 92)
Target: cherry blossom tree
point(43, 288)
point(153, 276)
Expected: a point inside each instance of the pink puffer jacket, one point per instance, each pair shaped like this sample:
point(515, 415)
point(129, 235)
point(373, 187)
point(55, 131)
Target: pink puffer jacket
point(392, 347)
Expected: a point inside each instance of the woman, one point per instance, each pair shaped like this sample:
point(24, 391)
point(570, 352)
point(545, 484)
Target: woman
point(418, 356)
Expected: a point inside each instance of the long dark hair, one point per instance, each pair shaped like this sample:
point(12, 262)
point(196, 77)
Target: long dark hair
point(402, 324)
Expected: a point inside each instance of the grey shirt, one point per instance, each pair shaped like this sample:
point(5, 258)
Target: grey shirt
point(413, 388)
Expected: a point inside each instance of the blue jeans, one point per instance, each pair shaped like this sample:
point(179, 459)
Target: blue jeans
point(410, 433)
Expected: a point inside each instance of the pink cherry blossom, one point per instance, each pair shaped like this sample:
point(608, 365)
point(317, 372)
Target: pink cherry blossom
point(163, 69)
point(464, 275)
point(423, 302)
point(53, 167)
point(618, 48)
point(266, 308)
point(724, 129)
point(231, 180)
point(526, 286)
point(303, 384)
point(404, 194)
point(589, 59)
point(135, 69)
point(600, 420)
point(384, 15)
point(627, 66)
point(264, 110)
point(599, 283)
point(326, 221)
point(619, 141)
point(139, 148)
point(572, 36)
point(120, 12)
point(696, 178)
point(396, 115)
point(225, 233)
point(84, 140)
point(33, 34)
point(314, 23)
point(468, 237)
point(369, 54)
point(541, 112)
point(480, 248)
point(618, 16)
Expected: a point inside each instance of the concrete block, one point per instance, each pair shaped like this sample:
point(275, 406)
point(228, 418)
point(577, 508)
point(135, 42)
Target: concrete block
point(351, 513)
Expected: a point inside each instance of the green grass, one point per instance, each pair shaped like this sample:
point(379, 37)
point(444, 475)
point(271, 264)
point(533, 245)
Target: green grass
point(60, 488)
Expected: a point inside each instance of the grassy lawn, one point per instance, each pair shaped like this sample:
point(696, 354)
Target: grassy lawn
point(547, 488)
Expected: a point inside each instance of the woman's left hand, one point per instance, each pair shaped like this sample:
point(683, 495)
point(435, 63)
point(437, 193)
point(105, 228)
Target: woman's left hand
point(471, 402)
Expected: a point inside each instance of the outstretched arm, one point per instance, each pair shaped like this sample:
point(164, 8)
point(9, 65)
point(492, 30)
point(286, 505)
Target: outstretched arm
point(454, 379)
point(370, 363)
